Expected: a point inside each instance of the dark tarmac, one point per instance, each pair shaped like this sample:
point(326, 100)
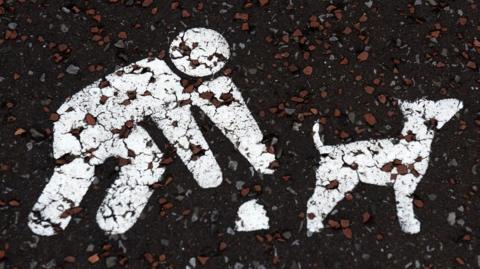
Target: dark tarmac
point(345, 63)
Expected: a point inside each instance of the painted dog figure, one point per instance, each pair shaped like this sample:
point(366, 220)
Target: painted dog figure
point(400, 163)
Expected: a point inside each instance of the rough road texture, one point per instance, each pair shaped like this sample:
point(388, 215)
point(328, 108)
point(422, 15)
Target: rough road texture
point(343, 64)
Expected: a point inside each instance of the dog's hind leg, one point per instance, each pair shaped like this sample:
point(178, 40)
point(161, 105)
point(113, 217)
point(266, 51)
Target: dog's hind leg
point(330, 189)
point(404, 188)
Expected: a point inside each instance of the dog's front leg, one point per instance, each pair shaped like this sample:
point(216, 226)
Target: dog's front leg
point(404, 188)
point(333, 182)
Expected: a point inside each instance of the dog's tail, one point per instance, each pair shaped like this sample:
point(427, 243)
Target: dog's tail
point(316, 136)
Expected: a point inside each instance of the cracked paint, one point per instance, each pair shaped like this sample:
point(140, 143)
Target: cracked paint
point(101, 121)
point(400, 163)
point(251, 216)
point(199, 52)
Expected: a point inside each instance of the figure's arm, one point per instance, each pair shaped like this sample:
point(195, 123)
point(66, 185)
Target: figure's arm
point(222, 102)
point(181, 129)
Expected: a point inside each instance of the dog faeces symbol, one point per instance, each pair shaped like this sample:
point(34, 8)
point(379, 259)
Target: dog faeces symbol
point(101, 121)
point(400, 163)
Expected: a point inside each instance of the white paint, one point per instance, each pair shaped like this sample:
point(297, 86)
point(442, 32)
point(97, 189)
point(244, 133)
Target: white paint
point(199, 52)
point(147, 88)
point(251, 217)
point(369, 162)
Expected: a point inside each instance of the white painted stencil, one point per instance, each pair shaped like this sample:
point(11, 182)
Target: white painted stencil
point(251, 217)
point(400, 163)
point(101, 121)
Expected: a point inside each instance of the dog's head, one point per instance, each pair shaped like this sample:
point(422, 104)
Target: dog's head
point(437, 112)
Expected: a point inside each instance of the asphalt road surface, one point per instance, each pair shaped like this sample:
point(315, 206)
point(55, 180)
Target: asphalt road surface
point(344, 64)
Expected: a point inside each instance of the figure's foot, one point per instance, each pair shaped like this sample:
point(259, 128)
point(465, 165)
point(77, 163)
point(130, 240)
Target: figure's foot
point(411, 227)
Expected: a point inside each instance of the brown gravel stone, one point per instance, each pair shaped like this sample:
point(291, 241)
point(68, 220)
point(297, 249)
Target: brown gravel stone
point(369, 89)
point(308, 70)
point(14, 203)
point(94, 258)
point(70, 212)
point(333, 184)
point(370, 119)
point(54, 117)
point(203, 259)
point(122, 35)
point(402, 169)
point(222, 246)
point(363, 56)
point(147, 3)
point(333, 224)
point(69, 259)
point(90, 119)
point(347, 232)
point(418, 203)
point(345, 223)
point(365, 217)
point(472, 65)
point(263, 2)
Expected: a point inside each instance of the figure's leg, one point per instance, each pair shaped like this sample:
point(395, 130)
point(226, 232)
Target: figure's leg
point(227, 109)
point(127, 197)
point(64, 191)
point(181, 129)
point(330, 189)
point(125, 200)
point(404, 188)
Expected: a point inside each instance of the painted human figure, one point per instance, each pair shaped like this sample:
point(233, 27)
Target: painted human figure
point(101, 121)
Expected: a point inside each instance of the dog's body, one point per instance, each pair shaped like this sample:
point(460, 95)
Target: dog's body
point(400, 163)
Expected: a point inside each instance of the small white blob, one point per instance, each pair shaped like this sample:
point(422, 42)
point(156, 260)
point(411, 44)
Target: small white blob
point(199, 52)
point(251, 217)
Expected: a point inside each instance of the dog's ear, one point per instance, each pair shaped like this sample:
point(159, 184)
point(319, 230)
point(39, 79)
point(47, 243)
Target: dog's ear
point(407, 107)
point(442, 111)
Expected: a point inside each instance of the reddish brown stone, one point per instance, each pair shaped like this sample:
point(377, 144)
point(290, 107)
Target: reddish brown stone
point(69, 259)
point(472, 65)
point(370, 119)
point(122, 35)
point(387, 167)
point(333, 184)
point(54, 117)
point(333, 224)
point(365, 217)
point(203, 259)
point(402, 169)
point(418, 203)
point(345, 223)
point(90, 119)
point(14, 203)
point(308, 70)
point(222, 246)
point(363, 56)
point(347, 232)
point(93, 259)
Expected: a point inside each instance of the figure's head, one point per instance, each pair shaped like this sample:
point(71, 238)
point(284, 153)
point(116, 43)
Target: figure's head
point(440, 111)
point(199, 52)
